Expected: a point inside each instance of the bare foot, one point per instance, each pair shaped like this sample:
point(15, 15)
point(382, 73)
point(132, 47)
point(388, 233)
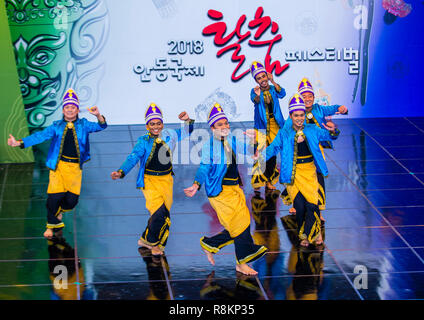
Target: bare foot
point(304, 243)
point(270, 186)
point(209, 256)
point(245, 269)
point(48, 233)
point(142, 244)
point(292, 211)
point(156, 251)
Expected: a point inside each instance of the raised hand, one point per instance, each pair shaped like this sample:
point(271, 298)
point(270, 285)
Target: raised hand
point(12, 141)
point(270, 77)
point(94, 111)
point(300, 139)
point(191, 191)
point(115, 175)
point(183, 116)
point(342, 110)
point(257, 90)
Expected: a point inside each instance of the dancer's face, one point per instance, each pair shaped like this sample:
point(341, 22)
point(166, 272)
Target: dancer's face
point(155, 127)
point(262, 79)
point(298, 118)
point(70, 112)
point(309, 98)
point(221, 128)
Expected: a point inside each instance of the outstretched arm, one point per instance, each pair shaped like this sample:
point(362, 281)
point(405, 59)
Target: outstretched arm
point(201, 173)
point(130, 162)
point(38, 137)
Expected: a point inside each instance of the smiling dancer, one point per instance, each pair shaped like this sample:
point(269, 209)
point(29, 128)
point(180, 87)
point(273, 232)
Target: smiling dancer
point(154, 152)
point(68, 151)
point(268, 119)
point(299, 147)
point(219, 174)
point(315, 114)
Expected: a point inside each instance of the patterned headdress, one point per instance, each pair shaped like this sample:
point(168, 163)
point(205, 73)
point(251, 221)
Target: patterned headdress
point(70, 97)
point(305, 86)
point(296, 103)
point(153, 112)
point(256, 68)
point(216, 114)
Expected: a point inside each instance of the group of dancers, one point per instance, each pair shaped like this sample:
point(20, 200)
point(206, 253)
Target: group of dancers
point(300, 140)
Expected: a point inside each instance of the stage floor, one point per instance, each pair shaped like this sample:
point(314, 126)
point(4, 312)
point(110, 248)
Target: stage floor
point(374, 224)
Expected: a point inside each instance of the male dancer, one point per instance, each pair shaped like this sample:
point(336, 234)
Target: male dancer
point(153, 151)
point(267, 118)
point(219, 173)
point(68, 151)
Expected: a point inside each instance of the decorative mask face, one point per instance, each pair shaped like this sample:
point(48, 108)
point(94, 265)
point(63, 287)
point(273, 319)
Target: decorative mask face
point(47, 40)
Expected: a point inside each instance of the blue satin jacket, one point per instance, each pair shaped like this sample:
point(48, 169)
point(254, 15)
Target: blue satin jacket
point(319, 112)
point(213, 165)
point(260, 109)
point(284, 144)
point(144, 148)
point(83, 128)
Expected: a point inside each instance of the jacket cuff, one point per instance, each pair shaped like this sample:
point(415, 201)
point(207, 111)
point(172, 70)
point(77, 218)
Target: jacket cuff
point(277, 87)
point(104, 120)
point(198, 183)
point(22, 146)
point(122, 173)
point(335, 133)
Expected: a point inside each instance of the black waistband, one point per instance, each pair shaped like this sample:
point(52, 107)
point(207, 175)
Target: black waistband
point(230, 182)
point(305, 160)
point(158, 173)
point(69, 159)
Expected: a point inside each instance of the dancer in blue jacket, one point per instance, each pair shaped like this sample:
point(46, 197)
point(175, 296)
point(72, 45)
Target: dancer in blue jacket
point(154, 152)
point(68, 151)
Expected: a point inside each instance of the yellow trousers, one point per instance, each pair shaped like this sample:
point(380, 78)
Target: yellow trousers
point(230, 206)
point(67, 177)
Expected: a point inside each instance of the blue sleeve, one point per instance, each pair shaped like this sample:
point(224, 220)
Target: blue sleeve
point(282, 92)
point(39, 137)
point(330, 110)
point(186, 131)
point(274, 147)
point(133, 157)
point(95, 126)
point(325, 135)
point(252, 95)
point(205, 165)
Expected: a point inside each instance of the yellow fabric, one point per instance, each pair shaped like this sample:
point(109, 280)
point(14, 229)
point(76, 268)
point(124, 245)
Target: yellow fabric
point(158, 190)
point(67, 177)
point(322, 151)
point(230, 206)
point(258, 178)
point(273, 130)
point(306, 182)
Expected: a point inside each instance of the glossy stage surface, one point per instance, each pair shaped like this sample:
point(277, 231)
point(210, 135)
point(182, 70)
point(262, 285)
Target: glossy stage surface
point(374, 229)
